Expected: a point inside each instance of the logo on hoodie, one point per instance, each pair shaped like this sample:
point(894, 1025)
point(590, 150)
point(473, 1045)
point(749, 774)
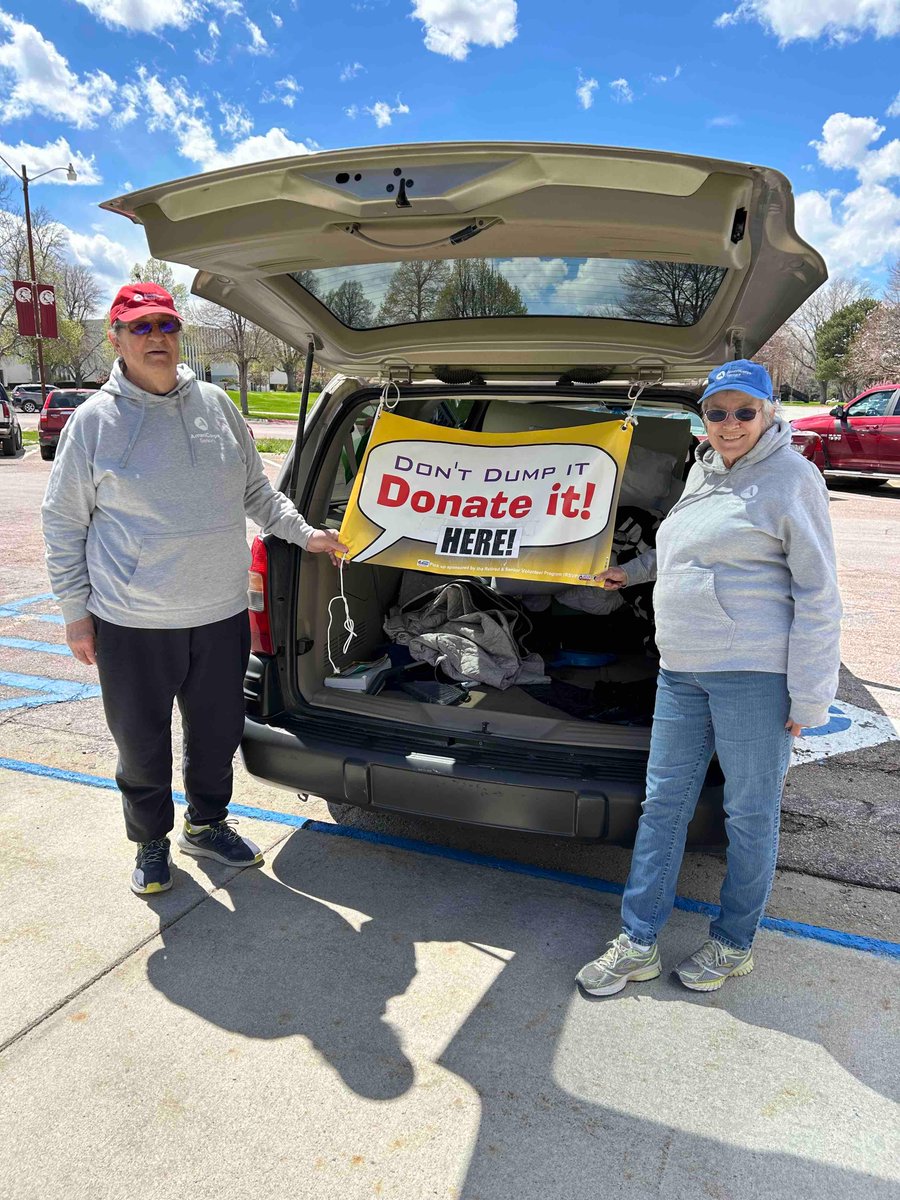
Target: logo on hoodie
point(201, 424)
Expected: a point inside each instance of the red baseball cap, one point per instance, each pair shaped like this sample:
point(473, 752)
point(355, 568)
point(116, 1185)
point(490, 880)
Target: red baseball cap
point(137, 300)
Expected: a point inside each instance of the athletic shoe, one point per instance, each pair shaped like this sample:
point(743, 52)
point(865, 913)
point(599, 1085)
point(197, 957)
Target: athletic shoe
point(151, 868)
point(708, 968)
point(622, 962)
point(220, 841)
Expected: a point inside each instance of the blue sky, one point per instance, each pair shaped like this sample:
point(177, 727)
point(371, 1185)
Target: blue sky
point(139, 91)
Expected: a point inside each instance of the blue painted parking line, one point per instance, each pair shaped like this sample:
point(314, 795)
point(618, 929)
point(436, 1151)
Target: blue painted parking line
point(816, 933)
point(38, 647)
point(43, 690)
point(13, 608)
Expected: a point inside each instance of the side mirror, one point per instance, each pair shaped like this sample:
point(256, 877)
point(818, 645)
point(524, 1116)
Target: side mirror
point(838, 411)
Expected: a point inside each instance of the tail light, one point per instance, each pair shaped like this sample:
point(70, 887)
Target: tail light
point(4, 408)
point(258, 599)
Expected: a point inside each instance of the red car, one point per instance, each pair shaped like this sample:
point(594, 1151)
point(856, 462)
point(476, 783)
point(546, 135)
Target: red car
point(58, 407)
point(860, 439)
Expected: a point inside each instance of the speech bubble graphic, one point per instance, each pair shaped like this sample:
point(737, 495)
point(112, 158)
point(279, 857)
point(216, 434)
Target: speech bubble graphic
point(489, 501)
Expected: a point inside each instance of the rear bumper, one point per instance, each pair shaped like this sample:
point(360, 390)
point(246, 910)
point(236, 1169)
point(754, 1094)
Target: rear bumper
point(48, 439)
point(439, 786)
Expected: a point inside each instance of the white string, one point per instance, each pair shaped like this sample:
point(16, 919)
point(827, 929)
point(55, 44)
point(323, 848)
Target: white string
point(634, 394)
point(349, 626)
point(386, 401)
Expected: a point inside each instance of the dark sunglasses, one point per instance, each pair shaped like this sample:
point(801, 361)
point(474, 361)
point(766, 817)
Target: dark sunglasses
point(142, 328)
point(720, 414)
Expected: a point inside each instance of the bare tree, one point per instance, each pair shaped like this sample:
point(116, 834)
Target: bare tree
point(289, 359)
point(806, 323)
point(476, 288)
point(668, 293)
point(230, 336)
point(80, 295)
point(350, 304)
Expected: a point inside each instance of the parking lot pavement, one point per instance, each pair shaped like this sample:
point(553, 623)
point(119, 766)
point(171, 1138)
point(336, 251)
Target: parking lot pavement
point(367, 1018)
point(359, 1020)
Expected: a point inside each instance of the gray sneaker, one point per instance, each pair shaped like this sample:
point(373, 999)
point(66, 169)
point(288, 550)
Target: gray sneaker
point(610, 972)
point(708, 968)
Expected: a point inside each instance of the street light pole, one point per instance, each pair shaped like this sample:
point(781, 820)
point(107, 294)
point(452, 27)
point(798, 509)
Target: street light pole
point(71, 175)
point(34, 284)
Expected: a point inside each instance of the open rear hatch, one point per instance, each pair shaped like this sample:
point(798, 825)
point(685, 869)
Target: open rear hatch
point(545, 259)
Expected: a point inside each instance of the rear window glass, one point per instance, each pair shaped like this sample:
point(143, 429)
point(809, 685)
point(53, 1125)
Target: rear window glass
point(374, 295)
point(68, 399)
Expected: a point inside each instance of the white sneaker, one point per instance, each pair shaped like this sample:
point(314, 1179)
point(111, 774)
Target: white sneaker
point(621, 963)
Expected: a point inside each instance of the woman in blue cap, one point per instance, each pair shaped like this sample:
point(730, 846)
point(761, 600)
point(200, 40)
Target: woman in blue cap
point(748, 630)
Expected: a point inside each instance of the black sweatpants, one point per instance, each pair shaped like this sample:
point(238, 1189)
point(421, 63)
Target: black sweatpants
point(142, 671)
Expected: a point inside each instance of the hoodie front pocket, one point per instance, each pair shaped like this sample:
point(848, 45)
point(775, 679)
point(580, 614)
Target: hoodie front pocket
point(688, 613)
point(190, 571)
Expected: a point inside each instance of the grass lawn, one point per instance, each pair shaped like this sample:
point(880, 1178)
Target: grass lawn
point(30, 437)
point(284, 404)
point(273, 445)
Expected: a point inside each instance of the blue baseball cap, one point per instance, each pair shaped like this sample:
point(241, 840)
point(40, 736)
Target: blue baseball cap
point(741, 375)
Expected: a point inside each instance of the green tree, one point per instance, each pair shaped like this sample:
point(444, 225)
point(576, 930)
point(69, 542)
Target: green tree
point(350, 305)
point(834, 340)
point(413, 291)
point(154, 270)
point(475, 288)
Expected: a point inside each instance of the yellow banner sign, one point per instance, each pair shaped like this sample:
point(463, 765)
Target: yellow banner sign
point(538, 505)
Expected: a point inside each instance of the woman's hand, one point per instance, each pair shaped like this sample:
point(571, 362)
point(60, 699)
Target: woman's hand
point(325, 541)
point(793, 727)
point(613, 578)
point(80, 640)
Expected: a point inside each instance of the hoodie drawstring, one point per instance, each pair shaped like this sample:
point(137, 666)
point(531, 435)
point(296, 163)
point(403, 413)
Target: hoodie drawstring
point(187, 432)
point(123, 461)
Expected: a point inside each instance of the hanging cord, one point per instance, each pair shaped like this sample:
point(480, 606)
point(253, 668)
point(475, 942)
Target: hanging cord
point(387, 401)
point(349, 626)
point(634, 394)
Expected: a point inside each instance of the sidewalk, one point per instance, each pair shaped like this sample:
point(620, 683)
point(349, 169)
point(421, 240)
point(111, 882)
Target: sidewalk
point(357, 1020)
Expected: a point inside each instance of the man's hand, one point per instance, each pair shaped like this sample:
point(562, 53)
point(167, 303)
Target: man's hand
point(80, 640)
point(795, 729)
point(325, 541)
point(613, 578)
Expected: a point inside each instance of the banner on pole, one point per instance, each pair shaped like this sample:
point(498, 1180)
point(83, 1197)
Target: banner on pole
point(534, 505)
point(46, 295)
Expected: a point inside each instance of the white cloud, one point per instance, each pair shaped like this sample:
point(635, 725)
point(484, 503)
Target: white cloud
point(846, 140)
point(111, 259)
point(209, 55)
point(667, 78)
point(585, 90)
point(236, 121)
point(860, 228)
point(594, 287)
point(289, 90)
point(144, 16)
point(52, 154)
point(384, 113)
point(258, 44)
point(173, 109)
point(35, 77)
point(275, 19)
point(621, 91)
point(838, 20)
point(723, 122)
point(453, 26)
point(894, 107)
point(535, 276)
point(352, 112)
point(350, 71)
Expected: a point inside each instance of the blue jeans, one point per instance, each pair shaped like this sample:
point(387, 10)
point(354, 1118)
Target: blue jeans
point(740, 714)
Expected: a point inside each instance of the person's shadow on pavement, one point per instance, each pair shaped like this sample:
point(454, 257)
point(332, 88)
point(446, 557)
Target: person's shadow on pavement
point(562, 1083)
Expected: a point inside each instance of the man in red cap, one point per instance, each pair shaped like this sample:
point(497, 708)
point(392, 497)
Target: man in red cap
point(145, 532)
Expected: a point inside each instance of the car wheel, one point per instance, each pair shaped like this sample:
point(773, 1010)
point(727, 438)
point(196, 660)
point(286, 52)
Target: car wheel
point(29, 406)
point(9, 446)
point(48, 453)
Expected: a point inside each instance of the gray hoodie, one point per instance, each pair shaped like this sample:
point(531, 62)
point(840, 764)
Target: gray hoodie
point(745, 573)
point(144, 514)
